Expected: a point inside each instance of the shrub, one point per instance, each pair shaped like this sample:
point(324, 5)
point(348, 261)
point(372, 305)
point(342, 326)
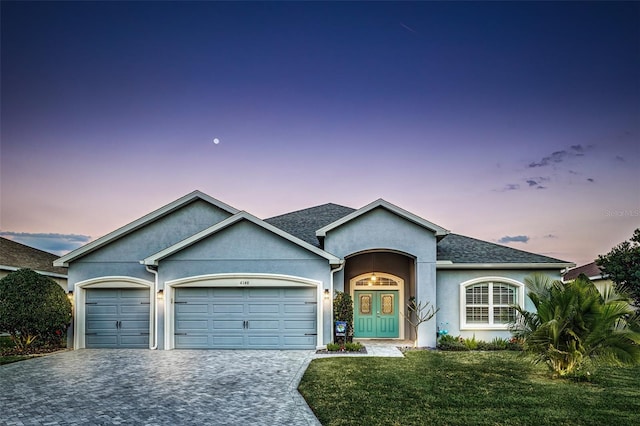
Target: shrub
point(498, 344)
point(353, 346)
point(447, 342)
point(574, 322)
point(472, 343)
point(333, 347)
point(343, 311)
point(34, 310)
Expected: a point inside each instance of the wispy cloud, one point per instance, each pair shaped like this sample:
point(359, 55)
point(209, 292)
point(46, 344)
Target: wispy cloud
point(560, 156)
point(53, 243)
point(515, 239)
point(591, 180)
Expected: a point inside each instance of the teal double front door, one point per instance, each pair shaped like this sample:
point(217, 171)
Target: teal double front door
point(376, 314)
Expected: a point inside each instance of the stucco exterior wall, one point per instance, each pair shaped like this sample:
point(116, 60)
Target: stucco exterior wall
point(381, 229)
point(448, 290)
point(123, 256)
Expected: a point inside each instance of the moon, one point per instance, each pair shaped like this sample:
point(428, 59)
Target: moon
point(216, 141)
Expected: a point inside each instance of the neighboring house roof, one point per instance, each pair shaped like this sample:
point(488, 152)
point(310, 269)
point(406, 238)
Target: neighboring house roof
point(155, 258)
point(137, 224)
point(304, 223)
point(591, 270)
point(454, 251)
point(14, 256)
point(438, 230)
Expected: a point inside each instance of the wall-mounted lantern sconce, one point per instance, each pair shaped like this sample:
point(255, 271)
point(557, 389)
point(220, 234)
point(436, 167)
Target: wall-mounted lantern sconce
point(326, 294)
point(70, 295)
point(160, 294)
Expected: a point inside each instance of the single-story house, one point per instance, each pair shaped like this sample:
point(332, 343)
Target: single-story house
point(591, 271)
point(198, 273)
point(14, 256)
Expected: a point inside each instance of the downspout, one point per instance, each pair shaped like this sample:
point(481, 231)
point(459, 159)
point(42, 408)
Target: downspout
point(333, 271)
point(155, 307)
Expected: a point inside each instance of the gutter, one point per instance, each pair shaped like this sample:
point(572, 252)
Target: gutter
point(452, 265)
point(155, 307)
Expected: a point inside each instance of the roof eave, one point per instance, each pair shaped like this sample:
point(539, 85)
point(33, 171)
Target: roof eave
point(523, 265)
point(154, 259)
point(137, 224)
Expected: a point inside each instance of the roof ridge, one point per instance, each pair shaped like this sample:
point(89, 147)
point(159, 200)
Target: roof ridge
point(309, 208)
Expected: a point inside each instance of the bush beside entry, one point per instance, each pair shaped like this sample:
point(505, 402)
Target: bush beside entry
point(343, 311)
point(34, 310)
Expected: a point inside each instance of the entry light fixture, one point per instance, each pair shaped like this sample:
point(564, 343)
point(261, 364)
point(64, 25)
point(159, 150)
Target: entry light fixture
point(326, 294)
point(70, 295)
point(161, 294)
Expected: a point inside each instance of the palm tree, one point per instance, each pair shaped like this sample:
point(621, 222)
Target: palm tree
point(574, 322)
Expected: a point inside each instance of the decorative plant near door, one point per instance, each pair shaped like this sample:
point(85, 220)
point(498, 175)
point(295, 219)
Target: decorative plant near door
point(343, 311)
point(419, 312)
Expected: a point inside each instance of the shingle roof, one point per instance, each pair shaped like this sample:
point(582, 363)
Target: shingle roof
point(304, 223)
point(461, 249)
point(590, 270)
point(18, 255)
point(453, 247)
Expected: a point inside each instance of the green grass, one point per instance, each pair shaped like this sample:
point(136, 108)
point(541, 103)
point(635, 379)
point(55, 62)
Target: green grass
point(5, 342)
point(465, 388)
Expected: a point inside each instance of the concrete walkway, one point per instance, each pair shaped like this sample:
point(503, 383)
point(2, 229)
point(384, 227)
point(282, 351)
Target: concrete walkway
point(180, 387)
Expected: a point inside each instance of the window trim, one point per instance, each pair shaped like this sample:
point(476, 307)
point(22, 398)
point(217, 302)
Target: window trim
point(520, 290)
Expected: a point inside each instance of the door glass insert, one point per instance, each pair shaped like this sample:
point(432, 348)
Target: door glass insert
point(365, 304)
point(387, 304)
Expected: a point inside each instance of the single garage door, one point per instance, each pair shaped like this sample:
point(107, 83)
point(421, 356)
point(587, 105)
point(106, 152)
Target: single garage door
point(117, 318)
point(245, 318)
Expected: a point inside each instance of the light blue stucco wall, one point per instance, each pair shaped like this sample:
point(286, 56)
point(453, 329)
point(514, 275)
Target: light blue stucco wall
point(123, 256)
point(448, 290)
point(381, 229)
point(246, 248)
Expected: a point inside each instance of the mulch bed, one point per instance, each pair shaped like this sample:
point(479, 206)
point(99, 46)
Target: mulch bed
point(30, 351)
point(362, 351)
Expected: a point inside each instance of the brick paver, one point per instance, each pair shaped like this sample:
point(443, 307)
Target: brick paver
point(142, 387)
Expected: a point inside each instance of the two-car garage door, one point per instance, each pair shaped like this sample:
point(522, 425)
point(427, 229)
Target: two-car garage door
point(245, 318)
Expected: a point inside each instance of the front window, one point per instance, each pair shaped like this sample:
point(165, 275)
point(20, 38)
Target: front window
point(489, 304)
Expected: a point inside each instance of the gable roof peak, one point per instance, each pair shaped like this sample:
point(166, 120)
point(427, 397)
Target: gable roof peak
point(144, 220)
point(436, 229)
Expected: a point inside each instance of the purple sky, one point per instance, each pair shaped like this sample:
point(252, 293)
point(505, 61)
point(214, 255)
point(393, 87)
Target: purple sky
point(493, 120)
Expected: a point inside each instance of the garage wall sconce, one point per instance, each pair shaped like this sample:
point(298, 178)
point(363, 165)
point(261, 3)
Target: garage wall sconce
point(161, 294)
point(326, 294)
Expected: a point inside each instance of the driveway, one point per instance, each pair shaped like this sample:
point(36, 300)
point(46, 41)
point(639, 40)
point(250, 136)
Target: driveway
point(142, 387)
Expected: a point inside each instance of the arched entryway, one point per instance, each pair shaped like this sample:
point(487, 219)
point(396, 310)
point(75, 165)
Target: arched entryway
point(380, 283)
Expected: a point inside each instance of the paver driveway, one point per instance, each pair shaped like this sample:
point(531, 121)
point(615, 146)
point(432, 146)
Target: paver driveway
point(143, 387)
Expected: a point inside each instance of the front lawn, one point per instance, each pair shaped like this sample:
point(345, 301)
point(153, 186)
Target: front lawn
point(6, 344)
point(465, 388)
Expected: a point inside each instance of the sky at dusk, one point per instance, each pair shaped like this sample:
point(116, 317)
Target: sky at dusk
point(516, 123)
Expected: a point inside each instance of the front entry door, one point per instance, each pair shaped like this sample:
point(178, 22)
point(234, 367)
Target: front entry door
point(376, 314)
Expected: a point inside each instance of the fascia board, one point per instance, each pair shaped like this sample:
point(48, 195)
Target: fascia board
point(438, 230)
point(503, 265)
point(136, 224)
point(155, 258)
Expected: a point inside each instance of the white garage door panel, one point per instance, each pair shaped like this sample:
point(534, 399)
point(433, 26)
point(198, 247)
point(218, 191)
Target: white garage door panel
point(250, 318)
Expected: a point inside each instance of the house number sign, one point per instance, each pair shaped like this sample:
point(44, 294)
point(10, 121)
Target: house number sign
point(244, 282)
